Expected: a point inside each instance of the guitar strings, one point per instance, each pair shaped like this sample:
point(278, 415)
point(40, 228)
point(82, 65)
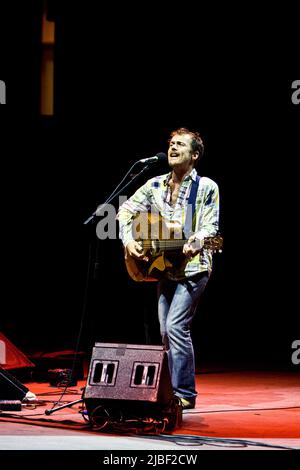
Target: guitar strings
point(173, 243)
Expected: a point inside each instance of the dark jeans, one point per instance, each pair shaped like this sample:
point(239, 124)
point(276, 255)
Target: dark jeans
point(177, 303)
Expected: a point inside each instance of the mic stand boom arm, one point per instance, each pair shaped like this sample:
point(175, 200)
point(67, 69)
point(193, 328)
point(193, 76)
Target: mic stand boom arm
point(114, 194)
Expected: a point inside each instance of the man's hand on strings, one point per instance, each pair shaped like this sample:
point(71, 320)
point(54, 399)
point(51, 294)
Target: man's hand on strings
point(135, 250)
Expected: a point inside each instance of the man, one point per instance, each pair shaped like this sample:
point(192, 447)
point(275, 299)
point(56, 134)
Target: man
point(182, 197)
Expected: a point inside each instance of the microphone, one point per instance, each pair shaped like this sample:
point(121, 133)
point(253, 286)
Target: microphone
point(161, 156)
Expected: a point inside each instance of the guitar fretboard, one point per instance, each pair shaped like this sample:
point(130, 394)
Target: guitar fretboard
point(163, 244)
point(212, 243)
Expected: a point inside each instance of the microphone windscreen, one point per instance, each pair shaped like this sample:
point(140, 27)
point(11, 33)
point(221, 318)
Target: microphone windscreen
point(161, 156)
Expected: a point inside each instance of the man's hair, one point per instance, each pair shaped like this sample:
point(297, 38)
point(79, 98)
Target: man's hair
point(197, 142)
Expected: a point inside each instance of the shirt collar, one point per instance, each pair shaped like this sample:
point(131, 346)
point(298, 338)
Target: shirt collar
point(192, 175)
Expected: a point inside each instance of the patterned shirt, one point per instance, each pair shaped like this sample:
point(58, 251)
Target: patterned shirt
point(156, 193)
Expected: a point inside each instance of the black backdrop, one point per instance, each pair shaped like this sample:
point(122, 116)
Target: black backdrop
point(122, 83)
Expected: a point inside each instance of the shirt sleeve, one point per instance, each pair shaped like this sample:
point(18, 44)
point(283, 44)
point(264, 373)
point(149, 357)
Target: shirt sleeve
point(208, 221)
point(138, 202)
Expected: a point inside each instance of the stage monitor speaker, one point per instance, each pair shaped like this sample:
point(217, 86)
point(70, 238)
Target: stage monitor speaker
point(10, 387)
point(130, 380)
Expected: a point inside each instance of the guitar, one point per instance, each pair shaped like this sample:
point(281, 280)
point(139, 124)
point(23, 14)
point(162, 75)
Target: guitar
point(162, 243)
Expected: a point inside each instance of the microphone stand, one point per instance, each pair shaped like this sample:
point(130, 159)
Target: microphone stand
point(89, 220)
point(115, 194)
point(67, 405)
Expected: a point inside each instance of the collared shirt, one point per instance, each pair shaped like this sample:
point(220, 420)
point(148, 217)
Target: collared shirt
point(156, 194)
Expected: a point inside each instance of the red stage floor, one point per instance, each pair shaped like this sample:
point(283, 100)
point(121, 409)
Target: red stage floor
point(254, 405)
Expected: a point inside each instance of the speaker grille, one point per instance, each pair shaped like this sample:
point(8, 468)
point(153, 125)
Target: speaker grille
point(104, 373)
point(145, 374)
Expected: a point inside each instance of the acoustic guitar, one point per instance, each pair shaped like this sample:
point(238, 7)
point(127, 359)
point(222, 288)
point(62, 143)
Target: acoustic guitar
point(162, 243)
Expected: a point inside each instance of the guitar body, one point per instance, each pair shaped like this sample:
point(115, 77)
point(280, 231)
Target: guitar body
point(150, 228)
point(162, 243)
point(152, 270)
point(139, 270)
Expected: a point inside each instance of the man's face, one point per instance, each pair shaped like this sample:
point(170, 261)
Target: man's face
point(180, 152)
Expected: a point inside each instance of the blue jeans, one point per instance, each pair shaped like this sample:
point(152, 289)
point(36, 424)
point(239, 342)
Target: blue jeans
point(177, 303)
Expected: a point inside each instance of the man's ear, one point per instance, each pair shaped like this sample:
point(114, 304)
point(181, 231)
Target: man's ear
point(195, 157)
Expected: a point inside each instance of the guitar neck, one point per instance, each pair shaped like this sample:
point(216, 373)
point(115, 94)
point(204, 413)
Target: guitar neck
point(211, 243)
point(163, 245)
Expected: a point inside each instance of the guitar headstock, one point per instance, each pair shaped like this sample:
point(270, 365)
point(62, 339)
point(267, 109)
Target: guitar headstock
point(213, 243)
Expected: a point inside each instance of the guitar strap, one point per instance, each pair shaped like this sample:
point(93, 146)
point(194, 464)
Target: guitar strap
point(190, 220)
